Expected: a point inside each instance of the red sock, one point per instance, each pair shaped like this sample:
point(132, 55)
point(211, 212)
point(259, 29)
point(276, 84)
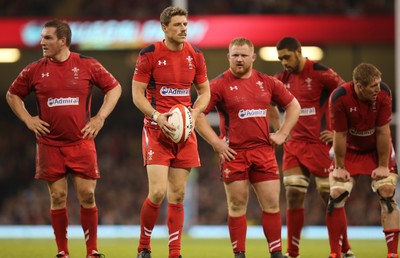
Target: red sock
point(175, 225)
point(336, 223)
point(148, 218)
point(392, 239)
point(346, 245)
point(272, 226)
point(237, 231)
point(89, 222)
point(59, 221)
point(294, 222)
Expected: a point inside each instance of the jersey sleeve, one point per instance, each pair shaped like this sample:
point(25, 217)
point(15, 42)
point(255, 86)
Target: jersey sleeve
point(216, 95)
point(201, 69)
point(330, 80)
point(22, 85)
point(280, 95)
point(103, 79)
point(143, 68)
point(338, 118)
point(385, 112)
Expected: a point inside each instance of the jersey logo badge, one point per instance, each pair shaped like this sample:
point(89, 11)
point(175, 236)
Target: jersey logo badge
point(190, 59)
point(308, 81)
point(260, 84)
point(162, 62)
point(75, 70)
point(45, 74)
point(353, 109)
point(232, 88)
point(287, 85)
point(227, 172)
point(150, 155)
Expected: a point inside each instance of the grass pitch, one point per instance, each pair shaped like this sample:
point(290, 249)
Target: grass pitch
point(192, 248)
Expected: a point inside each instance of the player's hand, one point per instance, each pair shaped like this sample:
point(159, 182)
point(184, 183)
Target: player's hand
point(166, 128)
point(326, 136)
point(221, 147)
point(92, 128)
point(380, 172)
point(38, 126)
point(195, 113)
point(341, 175)
point(277, 138)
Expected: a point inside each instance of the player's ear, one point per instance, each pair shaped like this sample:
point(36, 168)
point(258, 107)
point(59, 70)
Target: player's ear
point(254, 57)
point(164, 27)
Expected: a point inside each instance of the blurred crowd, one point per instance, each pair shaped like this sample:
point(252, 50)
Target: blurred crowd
point(137, 9)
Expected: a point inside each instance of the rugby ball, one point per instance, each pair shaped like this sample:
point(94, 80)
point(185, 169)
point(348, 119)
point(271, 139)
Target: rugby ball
point(182, 120)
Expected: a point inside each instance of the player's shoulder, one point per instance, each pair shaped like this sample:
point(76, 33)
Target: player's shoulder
point(385, 88)
point(340, 91)
point(317, 66)
point(149, 49)
point(193, 48)
point(219, 79)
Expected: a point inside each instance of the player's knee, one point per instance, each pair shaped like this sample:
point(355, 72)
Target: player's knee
point(157, 196)
point(296, 184)
point(386, 191)
point(59, 198)
point(336, 192)
point(237, 205)
point(322, 184)
point(86, 197)
point(177, 196)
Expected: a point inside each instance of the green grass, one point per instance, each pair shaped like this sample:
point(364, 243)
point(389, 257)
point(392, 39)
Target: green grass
point(192, 248)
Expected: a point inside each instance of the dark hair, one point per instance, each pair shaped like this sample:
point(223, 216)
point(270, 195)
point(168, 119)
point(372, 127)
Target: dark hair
point(241, 42)
point(169, 12)
point(365, 74)
point(289, 43)
point(63, 30)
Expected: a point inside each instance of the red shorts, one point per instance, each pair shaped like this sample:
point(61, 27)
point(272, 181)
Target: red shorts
point(53, 162)
point(357, 163)
point(313, 156)
point(160, 150)
point(256, 165)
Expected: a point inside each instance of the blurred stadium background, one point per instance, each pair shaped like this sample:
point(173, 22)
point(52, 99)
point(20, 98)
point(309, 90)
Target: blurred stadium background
point(366, 34)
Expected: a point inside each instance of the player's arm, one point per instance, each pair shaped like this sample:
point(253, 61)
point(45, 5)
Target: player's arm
point(339, 147)
point(219, 145)
point(383, 146)
point(141, 102)
point(274, 117)
point(203, 98)
point(95, 124)
point(292, 113)
point(34, 123)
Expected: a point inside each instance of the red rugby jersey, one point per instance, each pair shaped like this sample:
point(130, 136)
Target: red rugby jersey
point(63, 94)
point(359, 118)
point(242, 105)
point(311, 88)
point(169, 74)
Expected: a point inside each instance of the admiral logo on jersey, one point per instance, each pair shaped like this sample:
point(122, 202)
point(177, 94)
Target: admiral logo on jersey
point(247, 113)
point(165, 91)
point(53, 102)
point(369, 132)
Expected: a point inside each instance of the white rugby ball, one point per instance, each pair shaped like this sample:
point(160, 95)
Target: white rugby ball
point(182, 120)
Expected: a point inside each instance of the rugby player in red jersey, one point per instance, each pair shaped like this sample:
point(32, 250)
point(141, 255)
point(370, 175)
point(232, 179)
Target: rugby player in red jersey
point(164, 74)
point(307, 152)
point(245, 146)
point(361, 111)
point(62, 82)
